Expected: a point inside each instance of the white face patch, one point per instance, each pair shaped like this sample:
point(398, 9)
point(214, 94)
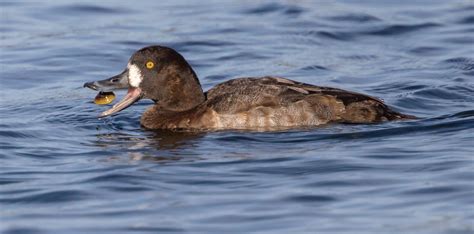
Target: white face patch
point(134, 75)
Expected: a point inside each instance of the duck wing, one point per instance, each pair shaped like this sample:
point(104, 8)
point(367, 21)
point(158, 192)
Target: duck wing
point(287, 102)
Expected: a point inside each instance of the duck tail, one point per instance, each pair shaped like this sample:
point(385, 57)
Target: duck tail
point(393, 115)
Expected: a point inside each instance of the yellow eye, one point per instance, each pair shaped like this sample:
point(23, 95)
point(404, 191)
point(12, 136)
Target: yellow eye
point(150, 65)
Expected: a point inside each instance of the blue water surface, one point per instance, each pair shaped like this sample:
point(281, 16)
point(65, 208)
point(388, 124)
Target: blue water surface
point(63, 170)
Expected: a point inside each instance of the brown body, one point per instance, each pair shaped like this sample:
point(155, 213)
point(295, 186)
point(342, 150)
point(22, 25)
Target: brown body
point(271, 103)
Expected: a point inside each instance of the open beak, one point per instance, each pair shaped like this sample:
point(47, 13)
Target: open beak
point(119, 81)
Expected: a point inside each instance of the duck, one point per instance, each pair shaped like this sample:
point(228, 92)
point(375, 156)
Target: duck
point(264, 103)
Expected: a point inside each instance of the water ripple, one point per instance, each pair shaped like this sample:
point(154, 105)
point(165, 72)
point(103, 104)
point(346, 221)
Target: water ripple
point(401, 29)
point(64, 170)
point(48, 197)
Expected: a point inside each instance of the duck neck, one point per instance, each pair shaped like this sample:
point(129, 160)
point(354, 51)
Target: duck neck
point(183, 90)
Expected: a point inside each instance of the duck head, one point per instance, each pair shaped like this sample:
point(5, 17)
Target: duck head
point(158, 73)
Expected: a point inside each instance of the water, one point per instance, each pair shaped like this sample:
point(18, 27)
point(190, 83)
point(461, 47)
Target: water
point(65, 171)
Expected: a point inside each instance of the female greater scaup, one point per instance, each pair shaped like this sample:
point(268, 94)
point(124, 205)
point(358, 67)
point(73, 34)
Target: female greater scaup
point(163, 75)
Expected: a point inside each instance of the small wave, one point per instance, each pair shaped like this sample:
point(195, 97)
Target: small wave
point(133, 44)
point(445, 93)
point(88, 9)
point(463, 114)
point(342, 36)
point(462, 63)
point(49, 197)
point(17, 134)
point(22, 230)
point(200, 46)
point(355, 18)
point(315, 67)
point(274, 7)
point(204, 43)
point(349, 35)
point(129, 179)
point(400, 29)
point(242, 55)
point(311, 199)
point(362, 57)
point(427, 50)
point(433, 190)
point(467, 20)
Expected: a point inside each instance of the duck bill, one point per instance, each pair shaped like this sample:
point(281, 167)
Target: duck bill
point(133, 95)
point(119, 81)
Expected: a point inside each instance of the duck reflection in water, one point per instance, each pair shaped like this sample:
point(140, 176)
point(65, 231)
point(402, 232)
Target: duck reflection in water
point(158, 145)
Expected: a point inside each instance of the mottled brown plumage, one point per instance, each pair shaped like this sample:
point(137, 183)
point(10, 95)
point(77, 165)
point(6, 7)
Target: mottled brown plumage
point(264, 103)
point(271, 103)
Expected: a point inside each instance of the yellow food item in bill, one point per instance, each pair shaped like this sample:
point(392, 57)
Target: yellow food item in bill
point(104, 98)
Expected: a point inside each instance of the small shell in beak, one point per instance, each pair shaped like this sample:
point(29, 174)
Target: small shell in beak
point(104, 98)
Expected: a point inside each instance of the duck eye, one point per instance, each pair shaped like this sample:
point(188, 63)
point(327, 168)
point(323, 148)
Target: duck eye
point(150, 65)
